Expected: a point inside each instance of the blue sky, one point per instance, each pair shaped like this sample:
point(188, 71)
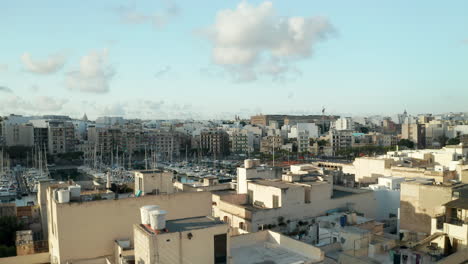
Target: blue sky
point(174, 59)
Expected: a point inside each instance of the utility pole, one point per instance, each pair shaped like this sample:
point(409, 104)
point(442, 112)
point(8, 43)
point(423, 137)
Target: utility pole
point(273, 151)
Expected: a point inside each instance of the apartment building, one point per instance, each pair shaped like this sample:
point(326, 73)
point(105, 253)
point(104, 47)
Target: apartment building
point(165, 144)
point(414, 132)
point(85, 226)
point(270, 143)
point(422, 201)
point(340, 139)
point(344, 123)
point(261, 203)
point(242, 141)
point(214, 143)
point(303, 141)
point(19, 135)
point(61, 137)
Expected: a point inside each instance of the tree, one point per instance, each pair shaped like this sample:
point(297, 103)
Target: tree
point(364, 130)
point(406, 143)
point(453, 141)
point(322, 142)
point(442, 140)
point(8, 227)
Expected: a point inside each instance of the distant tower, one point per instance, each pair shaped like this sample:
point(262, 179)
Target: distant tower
point(85, 118)
point(402, 117)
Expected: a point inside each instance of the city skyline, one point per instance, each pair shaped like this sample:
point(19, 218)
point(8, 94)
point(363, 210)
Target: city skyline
point(169, 59)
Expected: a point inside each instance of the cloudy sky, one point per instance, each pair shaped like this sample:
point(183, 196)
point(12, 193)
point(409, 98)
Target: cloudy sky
point(212, 59)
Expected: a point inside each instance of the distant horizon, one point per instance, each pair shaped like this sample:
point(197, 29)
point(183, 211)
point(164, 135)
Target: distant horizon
point(392, 116)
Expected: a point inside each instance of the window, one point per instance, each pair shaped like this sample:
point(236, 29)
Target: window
point(242, 225)
point(250, 196)
point(306, 195)
point(220, 249)
point(275, 201)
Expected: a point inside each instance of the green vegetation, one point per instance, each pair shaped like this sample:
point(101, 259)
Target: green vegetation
point(406, 143)
point(453, 141)
point(8, 227)
point(367, 150)
point(322, 142)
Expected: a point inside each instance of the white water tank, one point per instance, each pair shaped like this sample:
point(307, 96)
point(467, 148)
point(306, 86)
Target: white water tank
point(75, 191)
point(63, 196)
point(248, 163)
point(158, 219)
point(145, 210)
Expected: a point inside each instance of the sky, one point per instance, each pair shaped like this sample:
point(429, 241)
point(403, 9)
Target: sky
point(165, 59)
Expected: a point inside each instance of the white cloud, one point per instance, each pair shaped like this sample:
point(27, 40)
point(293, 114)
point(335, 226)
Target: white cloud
point(93, 75)
point(38, 105)
point(116, 109)
point(52, 64)
point(34, 88)
point(5, 89)
point(48, 104)
point(159, 18)
point(252, 40)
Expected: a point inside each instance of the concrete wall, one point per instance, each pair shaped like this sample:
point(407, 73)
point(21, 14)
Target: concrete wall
point(362, 202)
point(29, 259)
point(159, 181)
point(369, 169)
point(264, 194)
point(388, 203)
point(418, 203)
point(88, 230)
point(296, 246)
point(176, 247)
point(244, 174)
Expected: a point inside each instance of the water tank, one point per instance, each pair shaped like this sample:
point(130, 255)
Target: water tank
point(75, 191)
point(158, 219)
point(343, 219)
point(256, 162)
point(63, 196)
point(248, 163)
point(144, 210)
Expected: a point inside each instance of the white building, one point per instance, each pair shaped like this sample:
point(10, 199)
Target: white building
point(261, 203)
point(311, 128)
point(387, 194)
point(344, 123)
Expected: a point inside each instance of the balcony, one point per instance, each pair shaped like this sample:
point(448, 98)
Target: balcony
point(456, 221)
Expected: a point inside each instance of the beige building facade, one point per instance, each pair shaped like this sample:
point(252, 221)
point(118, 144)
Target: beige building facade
point(87, 230)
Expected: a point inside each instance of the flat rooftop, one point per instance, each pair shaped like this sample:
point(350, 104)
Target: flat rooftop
point(266, 253)
point(285, 184)
point(192, 223)
point(150, 171)
point(263, 248)
point(340, 194)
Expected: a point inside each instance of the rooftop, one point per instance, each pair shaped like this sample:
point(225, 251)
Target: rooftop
point(284, 184)
point(461, 203)
point(272, 248)
point(150, 171)
point(186, 224)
